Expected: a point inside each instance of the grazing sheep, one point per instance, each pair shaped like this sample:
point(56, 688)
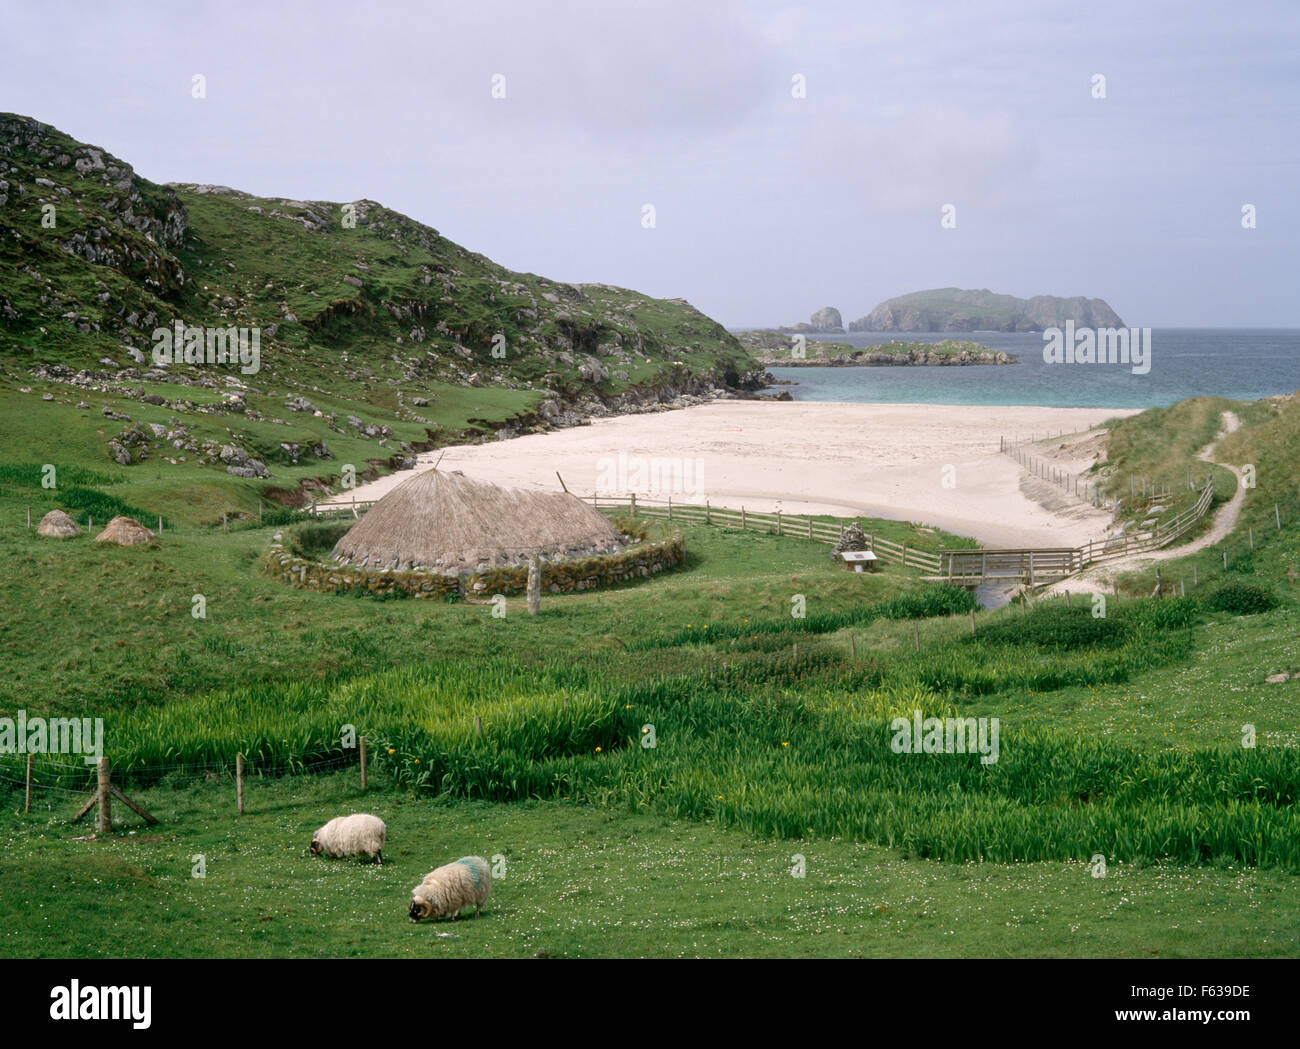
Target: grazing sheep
point(464, 883)
point(353, 835)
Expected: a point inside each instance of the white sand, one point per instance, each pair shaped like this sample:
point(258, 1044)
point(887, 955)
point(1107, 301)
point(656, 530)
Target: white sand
point(884, 460)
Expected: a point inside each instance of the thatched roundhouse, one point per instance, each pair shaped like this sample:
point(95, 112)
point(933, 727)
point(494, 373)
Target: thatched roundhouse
point(443, 521)
point(57, 525)
point(125, 531)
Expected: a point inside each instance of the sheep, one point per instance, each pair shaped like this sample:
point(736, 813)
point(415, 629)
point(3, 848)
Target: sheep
point(446, 890)
point(351, 836)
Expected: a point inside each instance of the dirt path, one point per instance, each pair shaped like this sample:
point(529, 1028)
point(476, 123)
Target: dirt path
point(1100, 578)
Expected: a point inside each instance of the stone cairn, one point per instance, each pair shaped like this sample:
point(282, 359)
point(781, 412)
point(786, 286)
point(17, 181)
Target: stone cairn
point(852, 537)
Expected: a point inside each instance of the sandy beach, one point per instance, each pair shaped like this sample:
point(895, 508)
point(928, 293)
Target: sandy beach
point(937, 465)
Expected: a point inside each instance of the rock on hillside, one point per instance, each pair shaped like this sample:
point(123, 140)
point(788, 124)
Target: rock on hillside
point(953, 309)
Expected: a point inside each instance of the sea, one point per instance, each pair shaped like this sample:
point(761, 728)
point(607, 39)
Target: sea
point(1240, 363)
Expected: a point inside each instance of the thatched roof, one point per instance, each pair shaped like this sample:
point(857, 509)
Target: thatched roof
point(125, 531)
point(57, 525)
point(445, 521)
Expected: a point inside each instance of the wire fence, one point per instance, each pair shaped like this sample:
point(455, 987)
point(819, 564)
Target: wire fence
point(38, 775)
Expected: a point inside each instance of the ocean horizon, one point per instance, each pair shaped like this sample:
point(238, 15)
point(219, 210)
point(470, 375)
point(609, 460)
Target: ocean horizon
point(1238, 363)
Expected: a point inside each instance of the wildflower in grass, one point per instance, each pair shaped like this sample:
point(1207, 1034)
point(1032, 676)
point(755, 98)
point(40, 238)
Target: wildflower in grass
point(391, 750)
point(597, 750)
point(785, 743)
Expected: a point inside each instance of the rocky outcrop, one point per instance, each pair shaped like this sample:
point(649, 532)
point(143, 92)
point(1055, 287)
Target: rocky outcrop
point(954, 309)
point(135, 226)
point(827, 319)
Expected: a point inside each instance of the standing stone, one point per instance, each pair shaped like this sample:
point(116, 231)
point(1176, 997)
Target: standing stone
point(534, 586)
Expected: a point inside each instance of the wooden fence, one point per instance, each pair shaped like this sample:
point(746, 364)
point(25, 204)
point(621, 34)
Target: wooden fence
point(964, 567)
point(1141, 490)
point(803, 526)
point(1088, 491)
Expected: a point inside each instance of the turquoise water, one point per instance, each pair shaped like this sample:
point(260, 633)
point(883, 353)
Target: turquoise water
point(1244, 364)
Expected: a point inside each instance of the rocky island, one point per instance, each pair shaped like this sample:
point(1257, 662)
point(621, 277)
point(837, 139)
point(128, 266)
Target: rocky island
point(775, 348)
point(953, 309)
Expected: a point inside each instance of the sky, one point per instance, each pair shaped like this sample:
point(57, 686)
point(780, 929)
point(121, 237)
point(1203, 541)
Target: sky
point(796, 155)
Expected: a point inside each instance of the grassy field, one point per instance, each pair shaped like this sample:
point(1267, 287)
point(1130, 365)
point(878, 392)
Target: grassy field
point(587, 883)
point(1120, 736)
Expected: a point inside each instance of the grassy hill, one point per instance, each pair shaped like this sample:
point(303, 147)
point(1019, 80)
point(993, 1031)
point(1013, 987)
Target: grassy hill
point(377, 336)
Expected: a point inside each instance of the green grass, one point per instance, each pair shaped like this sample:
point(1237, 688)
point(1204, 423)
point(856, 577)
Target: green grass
point(583, 882)
point(522, 736)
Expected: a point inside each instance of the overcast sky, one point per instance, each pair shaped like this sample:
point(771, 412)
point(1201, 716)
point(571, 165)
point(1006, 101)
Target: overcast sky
point(767, 206)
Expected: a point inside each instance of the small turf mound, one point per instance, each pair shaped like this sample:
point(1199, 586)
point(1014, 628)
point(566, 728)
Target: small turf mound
point(57, 525)
point(125, 531)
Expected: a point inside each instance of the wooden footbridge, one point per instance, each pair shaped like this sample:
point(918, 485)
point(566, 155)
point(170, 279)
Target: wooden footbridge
point(1040, 566)
point(1032, 567)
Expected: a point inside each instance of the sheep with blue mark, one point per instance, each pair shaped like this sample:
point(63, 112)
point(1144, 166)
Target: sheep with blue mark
point(451, 888)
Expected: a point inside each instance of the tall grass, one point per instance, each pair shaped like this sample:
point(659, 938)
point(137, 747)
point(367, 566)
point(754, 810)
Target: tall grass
point(748, 744)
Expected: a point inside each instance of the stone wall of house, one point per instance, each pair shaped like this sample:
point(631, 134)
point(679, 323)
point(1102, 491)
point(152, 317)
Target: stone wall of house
point(638, 561)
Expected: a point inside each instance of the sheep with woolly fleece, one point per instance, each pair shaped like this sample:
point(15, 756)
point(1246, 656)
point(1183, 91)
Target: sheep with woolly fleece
point(464, 883)
point(355, 835)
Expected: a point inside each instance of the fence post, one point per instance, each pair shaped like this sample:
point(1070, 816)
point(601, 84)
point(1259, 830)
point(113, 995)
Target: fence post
point(1225, 558)
point(478, 725)
point(104, 817)
point(27, 792)
point(634, 504)
point(239, 783)
point(1278, 515)
point(1252, 540)
point(810, 535)
point(363, 762)
point(916, 634)
point(534, 586)
point(1195, 575)
point(972, 622)
point(743, 525)
point(708, 514)
point(853, 655)
point(29, 517)
point(904, 555)
point(778, 522)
